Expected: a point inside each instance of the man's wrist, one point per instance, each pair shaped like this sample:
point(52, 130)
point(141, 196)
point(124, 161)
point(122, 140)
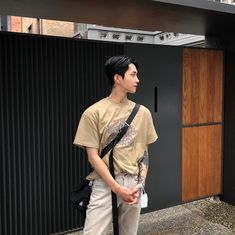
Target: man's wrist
point(116, 189)
point(140, 186)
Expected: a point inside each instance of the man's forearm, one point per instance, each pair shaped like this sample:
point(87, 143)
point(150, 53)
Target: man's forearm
point(143, 168)
point(102, 170)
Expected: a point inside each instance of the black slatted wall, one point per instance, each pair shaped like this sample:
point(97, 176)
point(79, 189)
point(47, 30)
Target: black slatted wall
point(45, 84)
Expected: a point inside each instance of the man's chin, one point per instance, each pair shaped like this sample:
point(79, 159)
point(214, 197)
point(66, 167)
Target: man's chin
point(132, 92)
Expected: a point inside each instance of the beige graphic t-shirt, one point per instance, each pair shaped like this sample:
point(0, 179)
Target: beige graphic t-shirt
point(100, 123)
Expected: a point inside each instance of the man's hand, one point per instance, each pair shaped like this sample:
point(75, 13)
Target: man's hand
point(130, 196)
point(135, 195)
point(125, 194)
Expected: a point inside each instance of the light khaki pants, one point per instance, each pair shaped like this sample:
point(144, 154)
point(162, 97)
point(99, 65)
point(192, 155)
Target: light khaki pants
point(99, 212)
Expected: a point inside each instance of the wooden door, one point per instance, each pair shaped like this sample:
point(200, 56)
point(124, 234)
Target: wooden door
point(202, 123)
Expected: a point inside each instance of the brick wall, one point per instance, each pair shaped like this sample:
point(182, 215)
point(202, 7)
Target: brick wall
point(58, 28)
point(16, 24)
point(42, 26)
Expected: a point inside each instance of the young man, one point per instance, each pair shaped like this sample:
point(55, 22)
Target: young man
point(98, 125)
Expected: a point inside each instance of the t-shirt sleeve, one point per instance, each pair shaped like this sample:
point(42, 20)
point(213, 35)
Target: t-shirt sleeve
point(151, 132)
point(87, 134)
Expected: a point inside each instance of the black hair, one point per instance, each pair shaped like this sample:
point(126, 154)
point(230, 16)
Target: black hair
point(118, 65)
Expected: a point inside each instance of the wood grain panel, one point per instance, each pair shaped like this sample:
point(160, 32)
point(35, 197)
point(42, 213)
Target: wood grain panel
point(202, 86)
point(201, 170)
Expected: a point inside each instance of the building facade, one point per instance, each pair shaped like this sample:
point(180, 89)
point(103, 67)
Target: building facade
point(40, 26)
point(102, 33)
point(96, 32)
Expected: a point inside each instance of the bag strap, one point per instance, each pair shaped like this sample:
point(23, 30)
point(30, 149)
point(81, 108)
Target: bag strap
point(109, 147)
point(111, 166)
point(121, 132)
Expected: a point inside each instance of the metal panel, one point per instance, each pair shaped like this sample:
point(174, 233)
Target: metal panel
point(229, 129)
point(4, 23)
point(45, 85)
point(160, 89)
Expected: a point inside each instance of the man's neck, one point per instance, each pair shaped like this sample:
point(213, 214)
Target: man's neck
point(118, 97)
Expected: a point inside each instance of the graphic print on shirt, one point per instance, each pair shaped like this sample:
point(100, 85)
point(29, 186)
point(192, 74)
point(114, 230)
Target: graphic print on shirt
point(112, 129)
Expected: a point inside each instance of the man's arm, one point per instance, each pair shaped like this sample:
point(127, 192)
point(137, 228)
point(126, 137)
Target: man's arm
point(102, 170)
point(143, 170)
point(143, 167)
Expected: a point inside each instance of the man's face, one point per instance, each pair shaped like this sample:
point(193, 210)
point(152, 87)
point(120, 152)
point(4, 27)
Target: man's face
point(130, 81)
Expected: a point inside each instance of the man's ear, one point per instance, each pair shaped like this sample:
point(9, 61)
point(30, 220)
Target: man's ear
point(117, 79)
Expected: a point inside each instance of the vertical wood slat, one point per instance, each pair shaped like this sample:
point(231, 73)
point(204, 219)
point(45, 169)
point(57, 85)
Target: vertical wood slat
point(202, 86)
point(45, 84)
point(201, 171)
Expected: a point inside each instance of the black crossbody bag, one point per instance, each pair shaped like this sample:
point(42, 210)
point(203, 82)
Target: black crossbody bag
point(80, 197)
